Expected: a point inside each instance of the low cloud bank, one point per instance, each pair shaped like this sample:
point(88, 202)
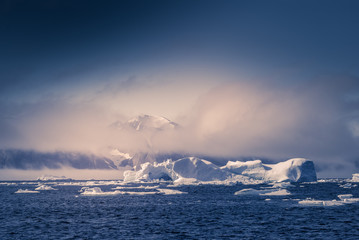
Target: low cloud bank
point(317, 120)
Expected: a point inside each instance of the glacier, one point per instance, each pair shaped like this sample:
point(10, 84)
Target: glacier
point(193, 170)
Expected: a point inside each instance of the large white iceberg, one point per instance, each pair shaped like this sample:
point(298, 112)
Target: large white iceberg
point(195, 169)
point(293, 170)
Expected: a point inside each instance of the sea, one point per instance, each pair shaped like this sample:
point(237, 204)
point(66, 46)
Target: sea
point(117, 210)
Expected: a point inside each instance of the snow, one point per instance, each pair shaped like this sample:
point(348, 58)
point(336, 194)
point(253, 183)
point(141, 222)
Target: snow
point(192, 170)
point(44, 187)
point(148, 122)
point(52, 178)
point(26, 191)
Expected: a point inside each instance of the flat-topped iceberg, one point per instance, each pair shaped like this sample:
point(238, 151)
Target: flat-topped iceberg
point(195, 169)
point(52, 178)
point(293, 170)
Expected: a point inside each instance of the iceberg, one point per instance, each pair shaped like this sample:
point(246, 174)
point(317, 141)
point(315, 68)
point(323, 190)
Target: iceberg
point(52, 178)
point(355, 177)
point(44, 187)
point(194, 170)
point(292, 170)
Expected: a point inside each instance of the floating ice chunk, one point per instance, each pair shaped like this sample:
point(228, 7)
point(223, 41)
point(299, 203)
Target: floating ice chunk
point(26, 191)
point(281, 192)
point(170, 191)
point(96, 191)
point(282, 185)
point(348, 198)
point(348, 185)
point(52, 178)
point(312, 202)
point(8, 183)
point(345, 196)
point(44, 187)
point(351, 200)
point(266, 192)
point(140, 193)
point(139, 187)
point(248, 191)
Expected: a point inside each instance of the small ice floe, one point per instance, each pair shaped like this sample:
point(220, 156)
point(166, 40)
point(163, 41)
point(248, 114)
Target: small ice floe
point(52, 178)
point(282, 185)
point(345, 196)
point(139, 187)
point(344, 199)
point(96, 191)
point(320, 203)
point(8, 183)
point(330, 180)
point(348, 198)
point(348, 185)
point(170, 191)
point(266, 192)
point(44, 187)
point(281, 192)
point(138, 193)
point(26, 191)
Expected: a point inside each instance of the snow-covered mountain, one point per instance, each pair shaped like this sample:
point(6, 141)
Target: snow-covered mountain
point(146, 123)
point(145, 127)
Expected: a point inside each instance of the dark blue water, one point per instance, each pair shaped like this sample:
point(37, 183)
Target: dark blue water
point(206, 212)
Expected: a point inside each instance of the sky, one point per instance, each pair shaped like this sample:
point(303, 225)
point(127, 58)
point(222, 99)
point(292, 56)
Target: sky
point(272, 79)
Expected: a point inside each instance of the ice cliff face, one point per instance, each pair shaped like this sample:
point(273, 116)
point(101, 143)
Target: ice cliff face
point(293, 170)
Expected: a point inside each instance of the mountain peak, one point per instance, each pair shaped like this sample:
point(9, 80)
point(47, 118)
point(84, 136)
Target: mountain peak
point(150, 122)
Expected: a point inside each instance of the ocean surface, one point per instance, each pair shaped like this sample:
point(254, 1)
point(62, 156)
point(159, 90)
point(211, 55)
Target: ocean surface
point(200, 212)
